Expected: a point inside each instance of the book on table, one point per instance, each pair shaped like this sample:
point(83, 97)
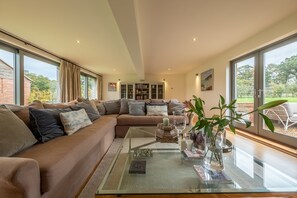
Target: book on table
point(208, 176)
point(137, 167)
point(194, 154)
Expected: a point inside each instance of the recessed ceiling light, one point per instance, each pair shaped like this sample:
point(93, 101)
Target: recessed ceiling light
point(77, 41)
point(194, 39)
point(169, 69)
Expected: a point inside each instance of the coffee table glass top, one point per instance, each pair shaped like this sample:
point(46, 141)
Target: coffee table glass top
point(167, 170)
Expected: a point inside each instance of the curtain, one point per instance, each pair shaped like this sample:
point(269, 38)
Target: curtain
point(70, 81)
point(99, 87)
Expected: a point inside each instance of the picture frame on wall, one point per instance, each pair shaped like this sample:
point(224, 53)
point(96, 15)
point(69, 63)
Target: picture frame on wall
point(112, 86)
point(207, 80)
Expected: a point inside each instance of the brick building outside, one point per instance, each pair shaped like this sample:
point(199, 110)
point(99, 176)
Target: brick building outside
point(7, 84)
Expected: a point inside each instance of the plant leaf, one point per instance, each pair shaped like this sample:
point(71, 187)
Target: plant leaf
point(232, 128)
point(268, 122)
point(222, 100)
point(271, 104)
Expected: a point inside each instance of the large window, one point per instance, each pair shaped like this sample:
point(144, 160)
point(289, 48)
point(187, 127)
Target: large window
point(88, 86)
point(41, 79)
point(265, 75)
point(25, 77)
point(7, 75)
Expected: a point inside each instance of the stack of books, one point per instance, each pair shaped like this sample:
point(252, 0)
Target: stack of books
point(208, 176)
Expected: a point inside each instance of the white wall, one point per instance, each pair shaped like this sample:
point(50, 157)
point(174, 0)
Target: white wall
point(221, 62)
point(174, 85)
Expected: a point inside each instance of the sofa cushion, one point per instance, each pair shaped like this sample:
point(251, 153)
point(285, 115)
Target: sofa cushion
point(112, 106)
point(93, 115)
point(156, 110)
point(136, 108)
point(15, 135)
point(157, 101)
point(101, 109)
point(176, 107)
point(131, 120)
point(124, 106)
point(66, 152)
point(23, 111)
point(74, 120)
point(46, 123)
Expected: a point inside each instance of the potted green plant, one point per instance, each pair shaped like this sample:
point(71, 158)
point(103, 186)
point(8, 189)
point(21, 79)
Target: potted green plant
point(214, 126)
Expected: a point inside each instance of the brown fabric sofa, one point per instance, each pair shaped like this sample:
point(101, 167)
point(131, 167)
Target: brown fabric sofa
point(62, 166)
point(59, 167)
point(125, 121)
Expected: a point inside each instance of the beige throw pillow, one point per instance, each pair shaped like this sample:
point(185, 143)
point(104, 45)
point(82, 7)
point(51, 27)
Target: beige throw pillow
point(74, 120)
point(15, 136)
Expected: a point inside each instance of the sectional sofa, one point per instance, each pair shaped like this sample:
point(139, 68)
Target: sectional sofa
point(60, 166)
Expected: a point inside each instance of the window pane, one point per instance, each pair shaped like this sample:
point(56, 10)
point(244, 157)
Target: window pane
point(7, 83)
point(92, 88)
point(40, 81)
point(280, 82)
point(244, 87)
point(83, 86)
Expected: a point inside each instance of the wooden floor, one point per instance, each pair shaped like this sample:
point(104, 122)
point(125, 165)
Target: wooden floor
point(280, 160)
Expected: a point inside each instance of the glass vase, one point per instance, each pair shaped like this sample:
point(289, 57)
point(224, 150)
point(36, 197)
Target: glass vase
point(214, 143)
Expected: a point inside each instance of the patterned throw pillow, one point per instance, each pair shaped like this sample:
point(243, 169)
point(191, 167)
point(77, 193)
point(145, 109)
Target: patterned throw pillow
point(15, 136)
point(157, 110)
point(136, 108)
point(74, 120)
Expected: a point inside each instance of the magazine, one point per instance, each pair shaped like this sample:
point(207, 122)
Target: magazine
point(209, 176)
point(194, 154)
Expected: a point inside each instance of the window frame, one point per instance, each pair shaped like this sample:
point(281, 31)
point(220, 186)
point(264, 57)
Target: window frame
point(19, 72)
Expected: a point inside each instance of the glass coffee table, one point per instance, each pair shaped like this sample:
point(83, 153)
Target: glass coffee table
point(145, 166)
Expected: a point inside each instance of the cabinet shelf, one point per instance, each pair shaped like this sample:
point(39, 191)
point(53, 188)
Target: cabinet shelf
point(142, 91)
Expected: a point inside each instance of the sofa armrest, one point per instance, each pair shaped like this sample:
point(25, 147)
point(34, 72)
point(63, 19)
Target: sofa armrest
point(19, 177)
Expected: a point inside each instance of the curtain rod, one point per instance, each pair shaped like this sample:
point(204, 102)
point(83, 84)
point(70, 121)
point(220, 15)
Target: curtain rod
point(41, 49)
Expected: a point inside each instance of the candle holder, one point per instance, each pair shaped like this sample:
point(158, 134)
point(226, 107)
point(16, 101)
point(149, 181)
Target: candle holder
point(166, 133)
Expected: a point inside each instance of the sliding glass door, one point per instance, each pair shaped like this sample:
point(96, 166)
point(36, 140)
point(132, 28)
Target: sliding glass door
point(266, 75)
point(279, 77)
point(244, 80)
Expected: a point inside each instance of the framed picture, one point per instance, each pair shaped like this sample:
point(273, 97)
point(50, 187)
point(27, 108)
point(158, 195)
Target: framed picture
point(207, 80)
point(112, 86)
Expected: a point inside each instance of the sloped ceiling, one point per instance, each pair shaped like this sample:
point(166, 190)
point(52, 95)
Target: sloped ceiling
point(140, 36)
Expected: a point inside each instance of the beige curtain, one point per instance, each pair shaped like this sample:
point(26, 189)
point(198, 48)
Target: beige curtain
point(70, 81)
point(99, 87)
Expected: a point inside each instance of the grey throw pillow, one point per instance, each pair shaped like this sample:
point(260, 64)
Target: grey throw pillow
point(15, 136)
point(124, 106)
point(101, 108)
point(176, 107)
point(46, 124)
point(93, 115)
point(136, 108)
point(112, 106)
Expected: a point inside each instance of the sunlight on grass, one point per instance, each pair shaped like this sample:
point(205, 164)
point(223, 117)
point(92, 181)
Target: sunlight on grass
point(251, 100)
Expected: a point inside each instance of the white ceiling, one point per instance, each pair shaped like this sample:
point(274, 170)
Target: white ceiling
point(140, 36)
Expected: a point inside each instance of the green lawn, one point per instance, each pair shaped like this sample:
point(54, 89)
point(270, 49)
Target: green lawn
point(250, 100)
